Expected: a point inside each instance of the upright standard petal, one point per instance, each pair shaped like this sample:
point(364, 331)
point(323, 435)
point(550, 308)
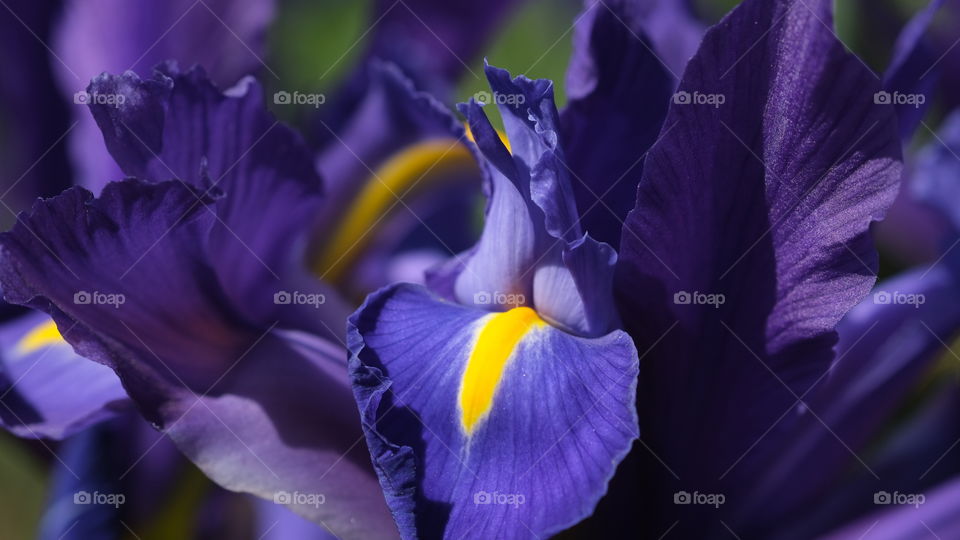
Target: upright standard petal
point(751, 235)
point(131, 275)
point(549, 258)
point(532, 387)
point(619, 91)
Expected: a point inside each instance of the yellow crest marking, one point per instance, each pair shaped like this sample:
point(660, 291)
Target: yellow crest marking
point(496, 342)
point(415, 168)
point(42, 335)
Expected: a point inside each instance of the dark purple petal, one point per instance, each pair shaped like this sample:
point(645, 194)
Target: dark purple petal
point(231, 395)
point(886, 344)
point(47, 390)
point(751, 234)
point(115, 36)
point(537, 461)
point(36, 118)
point(179, 125)
point(619, 91)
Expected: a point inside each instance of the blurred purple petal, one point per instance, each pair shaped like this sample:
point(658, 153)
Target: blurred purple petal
point(47, 390)
point(95, 36)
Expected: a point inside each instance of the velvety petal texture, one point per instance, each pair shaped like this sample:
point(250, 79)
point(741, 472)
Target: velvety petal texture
point(749, 241)
point(534, 460)
point(47, 390)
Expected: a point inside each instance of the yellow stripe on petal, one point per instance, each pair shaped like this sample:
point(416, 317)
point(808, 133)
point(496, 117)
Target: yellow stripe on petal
point(415, 168)
point(496, 342)
point(43, 335)
point(427, 161)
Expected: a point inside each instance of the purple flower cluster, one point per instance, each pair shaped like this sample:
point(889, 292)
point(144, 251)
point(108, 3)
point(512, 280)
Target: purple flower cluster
point(668, 326)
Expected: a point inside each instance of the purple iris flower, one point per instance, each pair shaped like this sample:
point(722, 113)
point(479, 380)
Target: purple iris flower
point(747, 244)
point(221, 211)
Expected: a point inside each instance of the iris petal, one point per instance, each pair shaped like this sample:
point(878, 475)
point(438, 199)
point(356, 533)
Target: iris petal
point(511, 425)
